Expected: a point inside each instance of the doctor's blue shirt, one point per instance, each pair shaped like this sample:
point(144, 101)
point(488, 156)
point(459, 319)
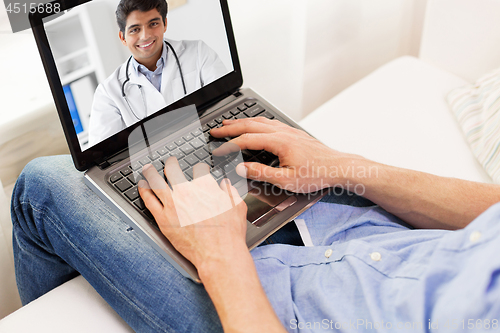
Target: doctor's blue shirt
point(153, 76)
point(368, 272)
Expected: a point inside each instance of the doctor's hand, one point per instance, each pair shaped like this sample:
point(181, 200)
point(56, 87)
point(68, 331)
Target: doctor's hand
point(202, 220)
point(306, 165)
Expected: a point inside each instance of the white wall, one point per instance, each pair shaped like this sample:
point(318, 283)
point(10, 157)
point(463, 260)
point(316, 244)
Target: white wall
point(345, 39)
point(270, 37)
point(201, 20)
point(299, 54)
point(4, 21)
point(197, 20)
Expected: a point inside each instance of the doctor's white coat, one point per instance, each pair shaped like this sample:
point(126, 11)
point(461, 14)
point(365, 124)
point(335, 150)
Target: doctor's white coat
point(110, 111)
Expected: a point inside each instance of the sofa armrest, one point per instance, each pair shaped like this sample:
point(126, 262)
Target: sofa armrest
point(72, 307)
point(9, 297)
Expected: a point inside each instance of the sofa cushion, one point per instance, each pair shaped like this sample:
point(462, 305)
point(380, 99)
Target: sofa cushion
point(398, 115)
point(477, 109)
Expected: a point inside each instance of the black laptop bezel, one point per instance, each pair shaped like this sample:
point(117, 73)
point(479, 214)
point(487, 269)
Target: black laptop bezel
point(94, 155)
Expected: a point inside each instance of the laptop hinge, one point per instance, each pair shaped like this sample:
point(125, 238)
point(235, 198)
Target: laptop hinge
point(118, 157)
point(104, 165)
point(219, 103)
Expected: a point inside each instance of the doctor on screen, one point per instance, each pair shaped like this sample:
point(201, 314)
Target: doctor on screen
point(159, 71)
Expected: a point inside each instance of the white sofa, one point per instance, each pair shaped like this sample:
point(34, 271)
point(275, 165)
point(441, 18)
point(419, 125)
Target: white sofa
point(397, 115)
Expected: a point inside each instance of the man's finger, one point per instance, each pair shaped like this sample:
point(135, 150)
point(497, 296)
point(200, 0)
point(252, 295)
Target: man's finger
point(273, 122)
point(230, 190)
point(237, 127)
point(173, 171)
point(200, 170)
point(156, 183)
point(260, 141)
point(227, 148)
point(150, 200)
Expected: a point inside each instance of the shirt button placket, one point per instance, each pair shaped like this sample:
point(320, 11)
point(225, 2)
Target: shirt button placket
point(376, 256)
point(475, 236)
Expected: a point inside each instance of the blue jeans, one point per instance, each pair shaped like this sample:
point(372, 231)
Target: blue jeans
point(62, 229)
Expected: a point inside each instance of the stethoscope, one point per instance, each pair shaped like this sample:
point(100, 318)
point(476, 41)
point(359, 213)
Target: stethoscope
point(140, 87)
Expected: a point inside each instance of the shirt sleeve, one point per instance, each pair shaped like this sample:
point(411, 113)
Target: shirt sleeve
point(212, 68)
point(105, 117)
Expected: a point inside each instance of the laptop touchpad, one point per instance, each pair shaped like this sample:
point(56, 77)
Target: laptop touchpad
point(265, 201)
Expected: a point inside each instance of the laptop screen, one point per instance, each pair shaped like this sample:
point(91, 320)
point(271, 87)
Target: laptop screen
point(120, 62)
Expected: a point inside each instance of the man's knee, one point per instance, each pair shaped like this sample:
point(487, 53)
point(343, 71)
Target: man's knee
point(45, 174)
point(51, 166)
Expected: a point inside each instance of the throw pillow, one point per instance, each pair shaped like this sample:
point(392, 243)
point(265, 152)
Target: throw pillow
point(477, 110)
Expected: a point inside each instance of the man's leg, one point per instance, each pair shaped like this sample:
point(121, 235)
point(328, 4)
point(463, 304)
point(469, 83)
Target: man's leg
point(61, 228)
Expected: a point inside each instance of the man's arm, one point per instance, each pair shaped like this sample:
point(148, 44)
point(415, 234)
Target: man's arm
point(234, 287)
point(306, 165)
point(425, 200)
point(207, 223)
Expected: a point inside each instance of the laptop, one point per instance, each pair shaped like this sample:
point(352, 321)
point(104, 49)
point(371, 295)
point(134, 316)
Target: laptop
point(82, 55)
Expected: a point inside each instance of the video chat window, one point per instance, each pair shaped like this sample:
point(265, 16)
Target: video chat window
point(113, 79)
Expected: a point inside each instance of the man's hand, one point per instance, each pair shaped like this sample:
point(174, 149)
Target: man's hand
point(306, 165)
point(202, 220)
point(423, 200)
point(207, 224)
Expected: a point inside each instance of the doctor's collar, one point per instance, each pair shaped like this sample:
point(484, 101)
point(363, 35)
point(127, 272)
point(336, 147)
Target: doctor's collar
point(160, 63)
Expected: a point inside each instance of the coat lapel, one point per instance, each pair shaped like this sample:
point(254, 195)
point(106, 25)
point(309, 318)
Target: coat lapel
point(153, 98)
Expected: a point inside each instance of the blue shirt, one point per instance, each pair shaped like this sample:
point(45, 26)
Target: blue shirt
point(368, 272)
point(153, 77)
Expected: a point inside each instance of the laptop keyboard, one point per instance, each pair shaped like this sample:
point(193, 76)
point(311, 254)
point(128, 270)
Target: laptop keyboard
point(190, 149)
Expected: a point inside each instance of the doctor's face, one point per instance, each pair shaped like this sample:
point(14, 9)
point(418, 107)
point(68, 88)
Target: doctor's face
point(144, 36)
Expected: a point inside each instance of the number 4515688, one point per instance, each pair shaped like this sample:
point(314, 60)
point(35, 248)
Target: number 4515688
point(16, 8)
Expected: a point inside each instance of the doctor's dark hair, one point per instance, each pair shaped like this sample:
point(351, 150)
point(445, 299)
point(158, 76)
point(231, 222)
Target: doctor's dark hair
point(125, 7)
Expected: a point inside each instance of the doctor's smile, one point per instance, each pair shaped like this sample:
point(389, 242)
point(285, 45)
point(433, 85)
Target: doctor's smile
point(145, 46)
point(148, 50)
